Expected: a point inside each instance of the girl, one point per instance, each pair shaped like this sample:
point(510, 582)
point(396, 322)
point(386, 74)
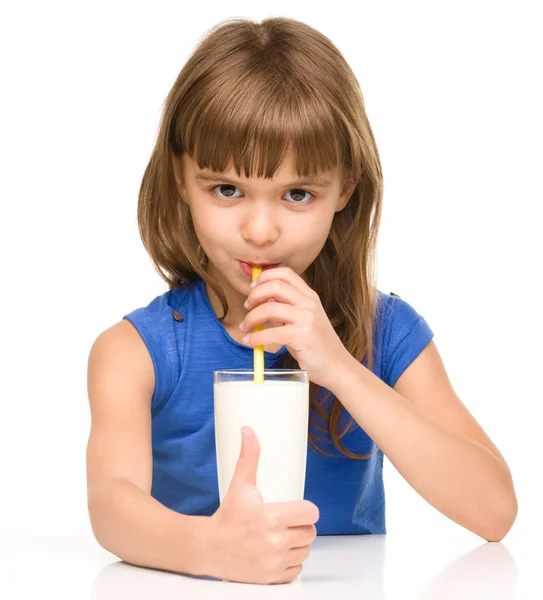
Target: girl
point(265, 156)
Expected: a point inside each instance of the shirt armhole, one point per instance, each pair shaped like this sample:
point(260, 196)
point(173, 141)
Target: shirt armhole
point(146, 327)
point(408, 349)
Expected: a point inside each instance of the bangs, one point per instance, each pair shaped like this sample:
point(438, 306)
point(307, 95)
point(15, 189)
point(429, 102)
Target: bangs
point(258, 125)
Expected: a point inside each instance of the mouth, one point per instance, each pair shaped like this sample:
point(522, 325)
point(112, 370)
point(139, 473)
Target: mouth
point(247, 267)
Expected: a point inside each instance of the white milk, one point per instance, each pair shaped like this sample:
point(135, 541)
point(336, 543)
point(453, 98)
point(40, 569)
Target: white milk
point(278, 412)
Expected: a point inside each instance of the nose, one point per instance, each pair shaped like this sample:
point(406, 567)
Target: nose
point(260, 224)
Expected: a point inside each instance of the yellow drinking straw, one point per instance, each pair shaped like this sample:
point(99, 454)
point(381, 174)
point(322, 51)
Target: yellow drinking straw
point(258, 350)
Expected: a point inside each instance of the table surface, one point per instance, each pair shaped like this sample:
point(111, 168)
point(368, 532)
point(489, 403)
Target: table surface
point(361, 567)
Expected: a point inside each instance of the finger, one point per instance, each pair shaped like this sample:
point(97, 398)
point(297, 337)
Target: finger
point(281, 335)
point(277, 290)
point(284, 274)
point(268, 311)
point(294, 513)
point(290, 574)
point(272, 311)
point(296, 556)
point(301, 536)
point(275, 323)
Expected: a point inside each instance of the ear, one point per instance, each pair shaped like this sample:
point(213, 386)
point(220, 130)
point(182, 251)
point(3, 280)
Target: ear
point(177, 166)
point(346, 193)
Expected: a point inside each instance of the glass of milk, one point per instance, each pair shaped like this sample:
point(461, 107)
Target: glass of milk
point(278, 412)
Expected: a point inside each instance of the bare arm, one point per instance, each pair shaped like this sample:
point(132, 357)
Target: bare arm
point(140, 530)
point(126, 520)
point(434, 442)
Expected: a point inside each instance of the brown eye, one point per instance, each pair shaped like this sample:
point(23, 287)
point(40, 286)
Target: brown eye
point(298, 195)
point(228, 193)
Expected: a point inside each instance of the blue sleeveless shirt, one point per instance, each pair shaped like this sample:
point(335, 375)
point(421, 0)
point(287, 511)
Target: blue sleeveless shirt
point(185, 351)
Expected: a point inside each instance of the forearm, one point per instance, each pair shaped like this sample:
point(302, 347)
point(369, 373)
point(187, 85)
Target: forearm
point(459, 477)
point(137, 528)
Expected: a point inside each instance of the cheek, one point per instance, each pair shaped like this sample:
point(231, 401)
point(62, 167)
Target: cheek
point(312, 238)
point(213, 230)
point(314, 232)
point(203, 217)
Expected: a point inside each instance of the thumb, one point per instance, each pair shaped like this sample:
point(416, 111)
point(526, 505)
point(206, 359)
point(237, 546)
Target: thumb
point(247, 465)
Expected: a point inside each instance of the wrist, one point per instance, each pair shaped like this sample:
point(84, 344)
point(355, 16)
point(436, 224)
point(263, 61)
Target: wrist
point(204, 557)
point(345, 374)
point(193, 545)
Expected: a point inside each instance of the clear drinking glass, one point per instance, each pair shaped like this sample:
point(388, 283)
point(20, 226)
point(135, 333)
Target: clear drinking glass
point(278, 412)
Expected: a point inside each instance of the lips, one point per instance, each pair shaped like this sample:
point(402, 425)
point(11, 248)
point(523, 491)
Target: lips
point(262, 266)
point(247, 267)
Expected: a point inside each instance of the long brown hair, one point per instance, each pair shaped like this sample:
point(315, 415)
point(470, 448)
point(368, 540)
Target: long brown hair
point(253, 93)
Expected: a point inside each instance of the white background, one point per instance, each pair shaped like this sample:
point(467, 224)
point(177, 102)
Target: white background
point(453, 94)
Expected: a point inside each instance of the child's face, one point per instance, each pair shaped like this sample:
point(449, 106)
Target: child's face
point(259, 220)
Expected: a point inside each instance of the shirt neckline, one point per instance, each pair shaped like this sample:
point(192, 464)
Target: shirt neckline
point(200, 284)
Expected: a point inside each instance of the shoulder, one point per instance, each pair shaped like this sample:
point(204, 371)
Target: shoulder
point(120, 354)
point(159, 330)
point(160, 311)
point(392, 310)
point(121, 332)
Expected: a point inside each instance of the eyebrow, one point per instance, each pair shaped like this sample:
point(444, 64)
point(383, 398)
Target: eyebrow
point(322, 183)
